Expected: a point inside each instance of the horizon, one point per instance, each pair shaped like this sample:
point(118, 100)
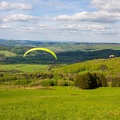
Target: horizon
point(50, 41)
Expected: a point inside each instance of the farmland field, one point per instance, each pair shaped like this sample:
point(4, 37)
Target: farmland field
point(24, 67)
point(59, 103)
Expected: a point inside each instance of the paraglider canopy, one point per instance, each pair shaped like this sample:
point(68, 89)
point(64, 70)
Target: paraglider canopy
point(43, 49)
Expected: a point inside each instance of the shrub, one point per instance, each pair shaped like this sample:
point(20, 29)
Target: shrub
point(61, 83)
point(58, 76)
point(115, 82)
point(91, 81)
point(1, 75)
point(46, 75)
point(36, 83)
point(119, 82)
point(65, 83)
point(48, 83)
point(7, 78)
point(86, 81)
point(22, 82)
point(103, 67)
point(101, 79)
point(69, 83)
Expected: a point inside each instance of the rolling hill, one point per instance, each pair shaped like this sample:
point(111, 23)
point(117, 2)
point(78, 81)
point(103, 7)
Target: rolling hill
point(109, 66)
point(11, 52)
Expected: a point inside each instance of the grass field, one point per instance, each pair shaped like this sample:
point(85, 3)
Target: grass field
point(24, 67)
point(7, 53)
point(59, 103)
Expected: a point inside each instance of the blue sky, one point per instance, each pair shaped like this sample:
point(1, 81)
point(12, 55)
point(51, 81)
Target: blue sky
point(60, 20)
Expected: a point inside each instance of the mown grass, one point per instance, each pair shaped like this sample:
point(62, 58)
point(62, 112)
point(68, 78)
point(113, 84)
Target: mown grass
point(24, 67)
point(60, 103)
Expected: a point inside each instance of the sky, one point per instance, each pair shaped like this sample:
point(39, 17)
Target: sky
point(61, 20)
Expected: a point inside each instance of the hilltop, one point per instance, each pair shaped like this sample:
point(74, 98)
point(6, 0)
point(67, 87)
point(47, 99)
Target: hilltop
point(109, 66)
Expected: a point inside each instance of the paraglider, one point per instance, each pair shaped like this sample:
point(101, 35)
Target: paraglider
point(43, 49)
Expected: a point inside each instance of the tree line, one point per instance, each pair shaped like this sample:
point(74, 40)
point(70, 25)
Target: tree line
point(83, 81)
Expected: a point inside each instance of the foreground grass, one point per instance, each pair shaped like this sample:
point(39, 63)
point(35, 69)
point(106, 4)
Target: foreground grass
point(60, 104)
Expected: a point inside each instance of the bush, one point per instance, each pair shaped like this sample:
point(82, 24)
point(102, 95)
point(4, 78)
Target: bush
point(61, 83)
point(115, 82)
point(58, 76)
point(91, 81)
point(119, 82)
point(69, 83)
point(1, 75)
point(46, 76)
point(22, 82)
point(36, 83)
point(85, 81)
point(7, 78)
point(103, 67)
point(101, 79)
point(49, 83)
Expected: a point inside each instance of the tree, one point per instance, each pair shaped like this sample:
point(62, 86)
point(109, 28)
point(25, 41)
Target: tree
point(91, 81)
point(86, 81)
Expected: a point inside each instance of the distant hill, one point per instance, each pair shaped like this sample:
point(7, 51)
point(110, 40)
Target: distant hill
point(62, 46)
point(110, 66)
point(19, 42)
point(68, 53)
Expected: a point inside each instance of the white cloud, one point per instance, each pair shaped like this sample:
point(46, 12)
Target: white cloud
point(66, 28)
point(100, 17)
point(19, 17)
point(118, 35)
point(81, 27)
point(7, 6)
point(107, 5)
point(35, 28)
point(4, 26)
point(77, 16)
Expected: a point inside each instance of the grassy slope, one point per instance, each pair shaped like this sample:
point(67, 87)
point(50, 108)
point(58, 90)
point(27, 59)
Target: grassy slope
point(106, 66)
point(7, 53)
point(60, 104)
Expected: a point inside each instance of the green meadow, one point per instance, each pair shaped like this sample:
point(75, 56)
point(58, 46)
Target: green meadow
point(59, 103)
point(24, 67)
